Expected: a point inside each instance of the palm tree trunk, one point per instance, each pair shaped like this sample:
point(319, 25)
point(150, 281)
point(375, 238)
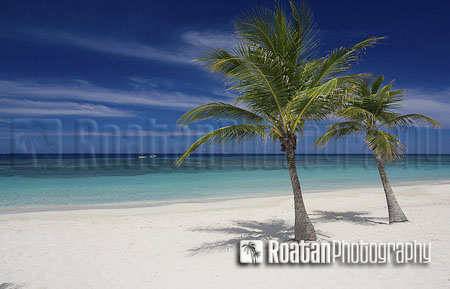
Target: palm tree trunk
point(303, 228)
point(395, 212)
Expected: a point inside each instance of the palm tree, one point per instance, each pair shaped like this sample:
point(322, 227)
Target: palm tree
point(371, 109)
point(280, 87)
point(256, 255)
point(250, 248)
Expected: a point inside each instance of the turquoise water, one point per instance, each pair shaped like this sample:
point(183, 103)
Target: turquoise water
point(49, 181)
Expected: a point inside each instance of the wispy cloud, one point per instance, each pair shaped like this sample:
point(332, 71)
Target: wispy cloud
point(431, 103)
point(25, 107)
point(83, 91)
point(192, 43)
point(210, 39)
point(224, 92)
point(111, 46)
point(141, 82)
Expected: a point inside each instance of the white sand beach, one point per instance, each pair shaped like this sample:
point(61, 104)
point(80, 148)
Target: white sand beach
point(193, 245)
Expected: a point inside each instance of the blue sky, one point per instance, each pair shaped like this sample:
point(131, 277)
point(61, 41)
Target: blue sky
point(117, 67)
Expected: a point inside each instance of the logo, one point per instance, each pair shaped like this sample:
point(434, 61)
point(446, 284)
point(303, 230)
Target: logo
point(251, 251)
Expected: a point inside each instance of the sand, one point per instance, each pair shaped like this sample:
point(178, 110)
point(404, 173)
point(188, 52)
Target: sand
point(193, 245)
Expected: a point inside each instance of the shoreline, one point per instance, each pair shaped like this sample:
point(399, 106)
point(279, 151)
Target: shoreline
point(195, 243)
point(150, 204)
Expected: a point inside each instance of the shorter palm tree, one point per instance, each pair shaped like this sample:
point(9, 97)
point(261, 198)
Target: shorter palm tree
point(367, 112)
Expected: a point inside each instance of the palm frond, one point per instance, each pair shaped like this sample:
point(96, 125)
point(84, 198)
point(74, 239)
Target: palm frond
point(377, 83)
point(356, 113)
point(384, 145)
point(256, 26)
point(240, 132)
point(339, 60)
point(411, 119)
point(219, 111)
point(386, 100)
point(256, 73)
point(294, 39)
point(306, 98)
point(305, 33)
point(338, 130)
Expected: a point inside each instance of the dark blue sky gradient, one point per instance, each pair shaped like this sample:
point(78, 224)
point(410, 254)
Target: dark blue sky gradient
point(121, 63)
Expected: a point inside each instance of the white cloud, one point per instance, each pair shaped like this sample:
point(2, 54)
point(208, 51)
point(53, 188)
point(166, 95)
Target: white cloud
point(111, 46)
point(226, 93)
point(433, 104)
point(86, 92)
point(210, 39)
point(139, 82)
point(192, 44)
point(10, 106)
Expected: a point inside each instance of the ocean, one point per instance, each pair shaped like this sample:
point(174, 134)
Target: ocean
point(59, 181)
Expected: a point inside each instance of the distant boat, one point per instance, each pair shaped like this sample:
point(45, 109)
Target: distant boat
point(149, 156)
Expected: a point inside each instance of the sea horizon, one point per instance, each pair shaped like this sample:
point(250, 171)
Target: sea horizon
point(197, 154)
point(61, 181)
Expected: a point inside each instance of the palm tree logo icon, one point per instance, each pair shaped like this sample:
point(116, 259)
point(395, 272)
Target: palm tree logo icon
point(250, 248)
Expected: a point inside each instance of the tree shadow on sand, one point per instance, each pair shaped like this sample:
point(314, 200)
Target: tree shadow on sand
point(273, 229)
point(9, 286)
point(360, 218)
point(278, 229)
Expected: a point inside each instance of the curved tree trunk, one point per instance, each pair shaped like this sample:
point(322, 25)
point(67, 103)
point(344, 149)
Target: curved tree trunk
point(395, 212)
point(303, 228)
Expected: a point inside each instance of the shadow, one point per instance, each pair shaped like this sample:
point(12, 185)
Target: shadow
point(273, 229)
point(10, 286)
point(361, 218)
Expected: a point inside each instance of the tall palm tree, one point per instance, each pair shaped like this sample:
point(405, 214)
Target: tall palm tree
point(280, 87)
point(371, 109)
